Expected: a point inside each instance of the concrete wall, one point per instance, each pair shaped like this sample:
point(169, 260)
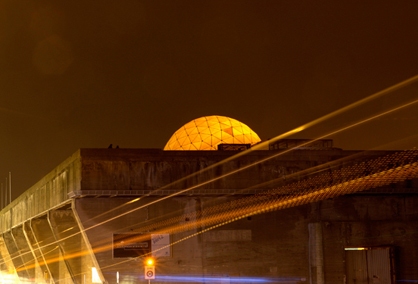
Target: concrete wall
point(150, 169)
point(47, 236)
point(29, 250)
point(274, 246)
point(370, 221)
point(50, 191)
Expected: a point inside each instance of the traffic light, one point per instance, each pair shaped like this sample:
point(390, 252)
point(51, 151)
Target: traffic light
point(149, 269)
point(149, 262)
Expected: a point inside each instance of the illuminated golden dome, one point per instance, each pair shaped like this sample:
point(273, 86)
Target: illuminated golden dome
point(207, 132)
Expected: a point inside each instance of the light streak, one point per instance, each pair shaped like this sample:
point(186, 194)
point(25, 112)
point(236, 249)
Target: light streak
point(303, 127)
point(212, 219)
point(339, 182)
point(69, 229)
point(223, 279)
point(344, 181)
point(253, 164)
point(265, 144)
point(230, 217)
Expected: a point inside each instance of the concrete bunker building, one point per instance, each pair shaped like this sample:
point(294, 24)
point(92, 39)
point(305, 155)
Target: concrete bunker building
point(295, 211)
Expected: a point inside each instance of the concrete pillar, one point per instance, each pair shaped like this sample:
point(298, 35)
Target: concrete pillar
point(75, 252)
point(316, 254)
point(3, 269)
point(65, 270)
point(25, 251)
point(48, 247)
point(8, 271)
point(15, 255)
point(41, 270)
point(89, 259)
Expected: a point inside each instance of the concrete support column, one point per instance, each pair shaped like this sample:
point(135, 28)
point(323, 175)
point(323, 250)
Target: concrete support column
point(25, 251)
point(49, 248)
point(41, 269)
point(75, 252)
point(3, 268)
point(316, 254)
point(89, 259)
point(65, 271)
point(8, 271)
point(16, 258)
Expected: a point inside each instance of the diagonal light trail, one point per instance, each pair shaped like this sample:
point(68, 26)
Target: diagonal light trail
point(364, 176)
point(223, 176)
point(253, 210)
point(248, 166)
point(331, 184)
point(296, 130)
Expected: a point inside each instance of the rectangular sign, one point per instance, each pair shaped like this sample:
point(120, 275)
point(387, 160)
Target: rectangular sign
point(131, 245)
point(160, 244)
point(149, 272)
point(233, 147)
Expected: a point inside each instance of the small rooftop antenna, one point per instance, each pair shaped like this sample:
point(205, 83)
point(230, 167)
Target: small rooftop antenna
point(10, 187)
point(5, 194)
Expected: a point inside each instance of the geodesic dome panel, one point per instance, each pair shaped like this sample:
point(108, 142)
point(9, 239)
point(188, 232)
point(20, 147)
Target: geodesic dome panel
point(207, 132)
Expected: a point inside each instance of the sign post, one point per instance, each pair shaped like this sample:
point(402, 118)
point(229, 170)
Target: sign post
point(149, 273)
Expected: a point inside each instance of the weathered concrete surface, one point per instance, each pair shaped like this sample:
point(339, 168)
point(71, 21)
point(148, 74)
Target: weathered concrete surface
point(269, 245)
point(24, 251)
point(15, 256)
point(370, 221)
point(50, 250)
point(50, 191)
point(8, 271)
point(73, 249)
point(40, 267)
point(275, 244)
point(150, 169)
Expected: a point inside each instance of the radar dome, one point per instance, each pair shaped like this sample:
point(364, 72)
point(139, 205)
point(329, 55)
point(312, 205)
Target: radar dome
point(207, 132)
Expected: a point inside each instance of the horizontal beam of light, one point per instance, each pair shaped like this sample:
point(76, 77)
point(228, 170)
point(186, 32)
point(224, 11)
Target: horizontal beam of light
point(223, 279)
point(217, 279)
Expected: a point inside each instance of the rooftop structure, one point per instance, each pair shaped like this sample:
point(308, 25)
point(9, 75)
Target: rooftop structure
point(299, 212)
point(207, 132)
